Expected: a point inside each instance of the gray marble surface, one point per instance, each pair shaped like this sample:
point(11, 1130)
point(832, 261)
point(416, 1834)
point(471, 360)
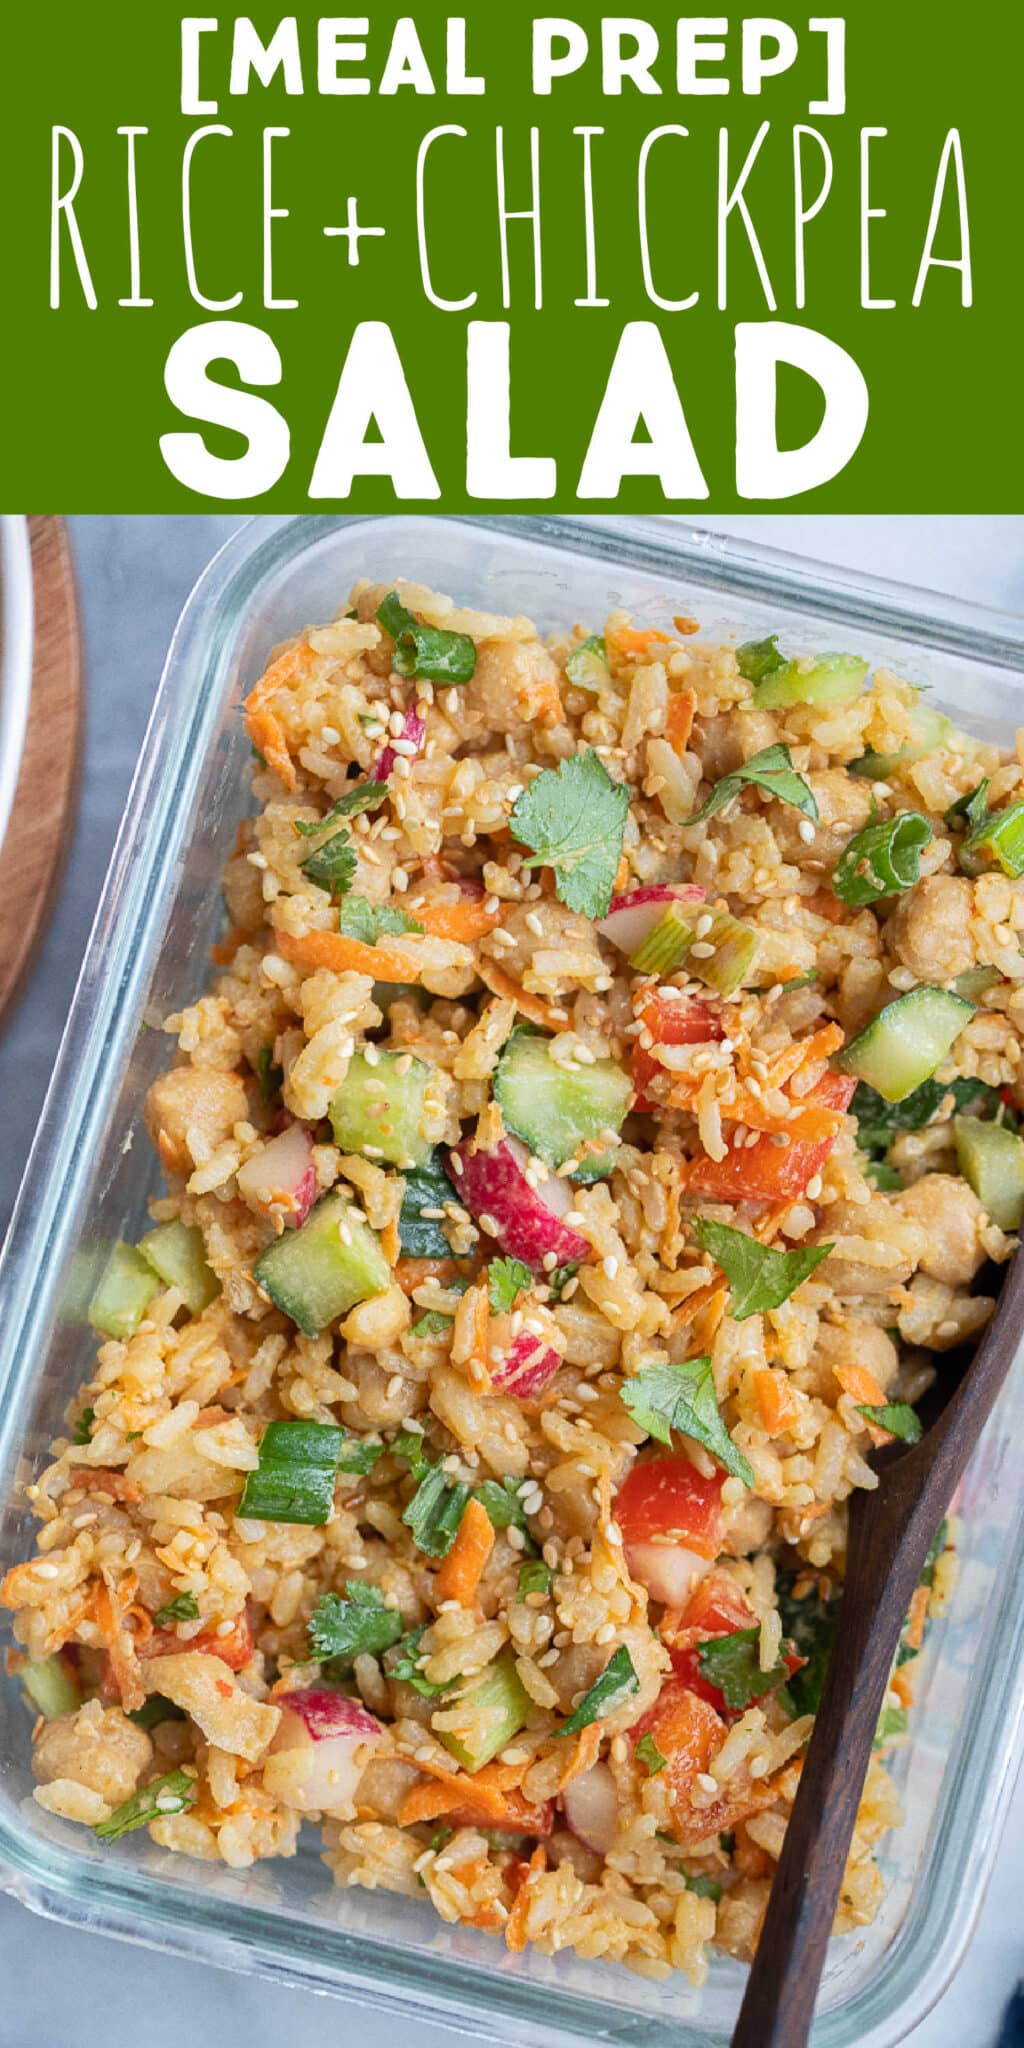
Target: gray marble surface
point(62, 1987)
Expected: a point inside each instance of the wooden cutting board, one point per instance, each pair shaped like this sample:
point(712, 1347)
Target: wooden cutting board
point(39, 835)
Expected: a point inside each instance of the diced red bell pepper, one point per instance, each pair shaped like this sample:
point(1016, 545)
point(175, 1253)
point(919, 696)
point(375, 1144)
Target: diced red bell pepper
point(766, 1172)
point(689, 1733)
point(670, 1021)
point(667, 1500)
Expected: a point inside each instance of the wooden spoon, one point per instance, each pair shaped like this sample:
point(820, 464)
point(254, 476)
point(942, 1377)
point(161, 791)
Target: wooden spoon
point(890, 1532)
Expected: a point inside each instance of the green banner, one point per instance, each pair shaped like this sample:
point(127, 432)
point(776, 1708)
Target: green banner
point(512, 260)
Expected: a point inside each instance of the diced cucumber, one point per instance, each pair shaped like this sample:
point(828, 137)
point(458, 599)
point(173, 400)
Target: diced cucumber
point(831, 679)
point(127, 1286)
point(933, 729)
point(379, 1107)
point(587, 665)
point(50, 1687)
point(551, 1108)
point(177, 1255)
point(315, 1274)
point(991, 1159)
point(595, 1166)
point(974, 981)
point(904, 1044)
point(427, 1187)
point(492, 1711)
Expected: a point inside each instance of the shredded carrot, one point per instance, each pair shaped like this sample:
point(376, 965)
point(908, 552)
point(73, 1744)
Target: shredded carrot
point(490, 1795)
point(903, 1686)
point(705, 1324)
point(224, 951)
point(686, 626)
point(668, 1242)
point(347, 956)
point(777, 1404)
point(825, 904)
point(462, 1569)
point(918, 1617)
point(464, 920)
point(268, 737)
point(857, 1381)
point(477, 1364)
point(621, 881)
point(585, 1751)
point(533, 1007)
point(679, 719)
point(636, 639)
point(819, 1046)
point(492, 1777)
point(515, 1925)
point(391, 1242)
point(123, 1662)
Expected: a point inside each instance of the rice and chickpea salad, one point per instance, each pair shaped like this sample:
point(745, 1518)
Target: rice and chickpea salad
point(603, 1118)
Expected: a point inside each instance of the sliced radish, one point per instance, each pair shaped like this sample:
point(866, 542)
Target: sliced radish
point(632, 917)
point(415, 732)
point(529, 1365)
point(591, 1805)
point(333, 1737)
point(281, 1179)
point(522, 1219)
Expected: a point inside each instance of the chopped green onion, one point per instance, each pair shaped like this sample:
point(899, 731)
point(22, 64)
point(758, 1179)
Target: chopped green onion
point(268, 1075)
point(405, 1666)
point(50, 1686)
point(609, 1692)
point(359, 1455)
point(666, 945)
point(882, 859)
point(587, 665)
point(357, 1625)
point(425, 651)
point(975, 982)
point(156, 1801)
point(971, 809)
point(184, 1608)
point(892, 1722)
point(503, 1502)
point(735, 950)
point(294, 1480)
point(427, 1188)
point(154, 1710)
point(559, 1280)
point(704, 1886)
point(435, 1511)
point(757, 659)
point(998, 840)
point(433, 1324)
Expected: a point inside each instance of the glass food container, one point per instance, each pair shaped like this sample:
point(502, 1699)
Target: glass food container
point(92, 1170)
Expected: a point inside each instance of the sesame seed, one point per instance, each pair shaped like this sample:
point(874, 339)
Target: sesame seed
point(706, 1782)
point(329, 735)
point(609, 1266)
point(549, 1262)
point(806, 831)
point(814, 1188)
point(702, 951)
point(456, 1165)
point(490, 1224)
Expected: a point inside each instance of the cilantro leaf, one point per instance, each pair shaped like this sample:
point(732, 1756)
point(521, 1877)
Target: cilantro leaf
point(408, 1444)
point(269, 1076)
point(662, 1398)
point(574, 817)
point(885, 1178)
point(404, 1666)
point(731, 1663)
point(83, 1427)
point(896, 1416)
point(759, 658)
point(771, 770)
point(705, 1887)
point(879, 1122)
point(759, 1277)
point(534, 1577)
point(650, 1755)
point(505, 1279)
point(501, 1498)
point(332, 866)
point(184, 1608)
point(162, 1796)
point(363, 796)
point(436, 654)
point(434, 1323)
point(881, 860)
point(356, 1625)
point(810, 1623)
point(559, 1280)
point(361, 919)
point(435, 1511)
point(426, 1187)
point(617, 1681)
